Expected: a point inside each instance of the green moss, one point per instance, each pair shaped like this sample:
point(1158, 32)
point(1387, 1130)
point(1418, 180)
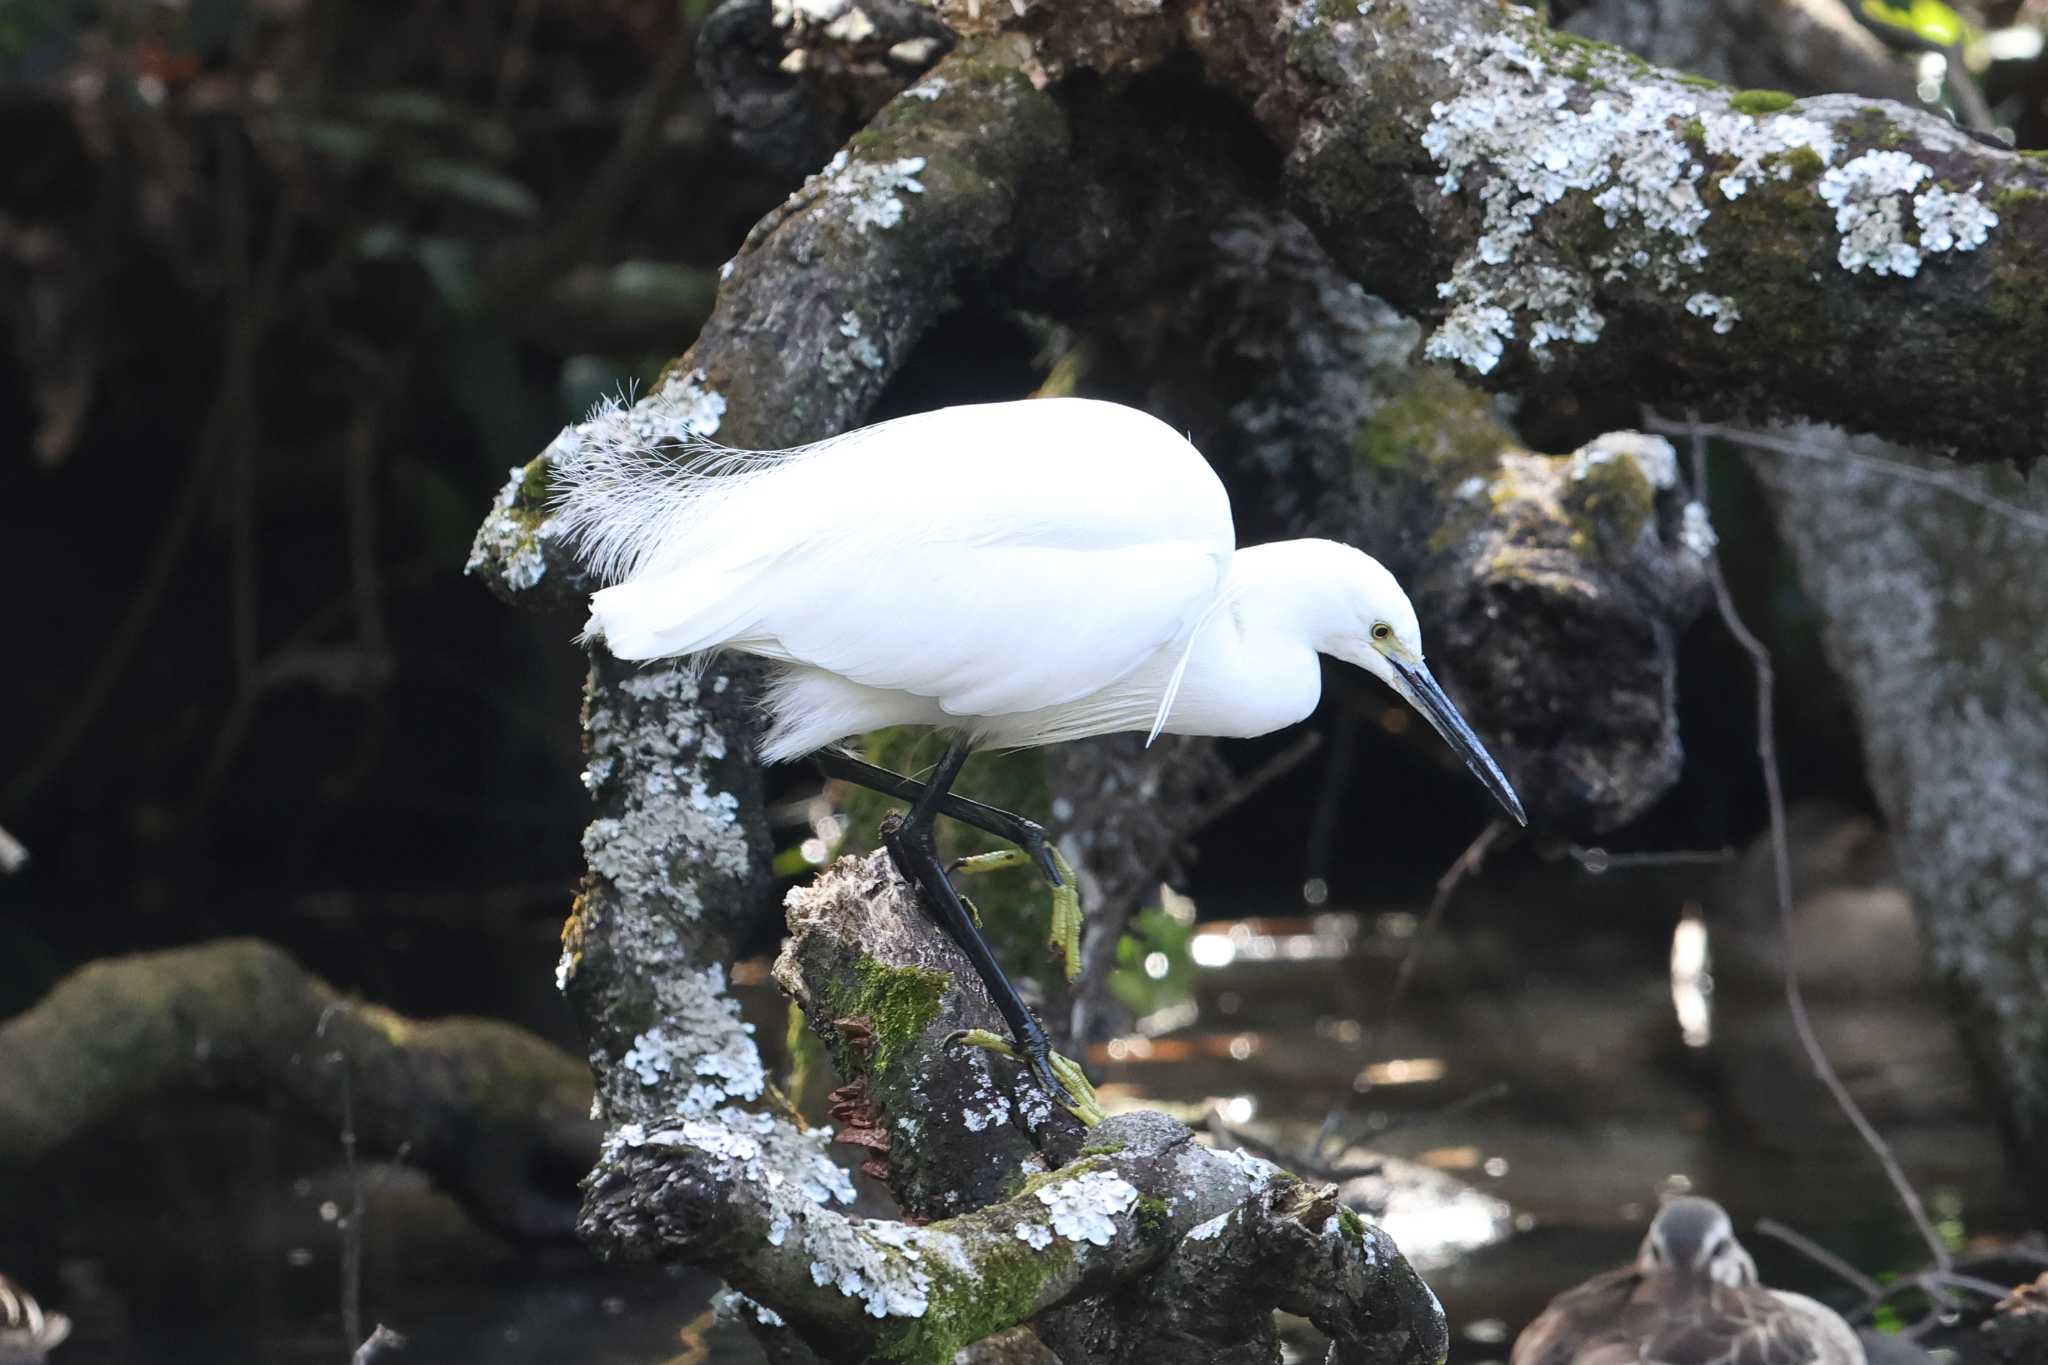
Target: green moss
point(1574, 42)
point(1152, 1216)
point(1437, 429)
point(1805, 163)
point(1035, 1181)
point(1764, 249)
point(1760, 102)
point(1609, 505)
point(1353, 1225)
point(1694, 132)
point(1579, 70)
point(1102, 1149)
point(2013, 199)
point(2017, 293)
point(964, 1309)
point(897, 1002)
point(533, 484)
point(1697, 82)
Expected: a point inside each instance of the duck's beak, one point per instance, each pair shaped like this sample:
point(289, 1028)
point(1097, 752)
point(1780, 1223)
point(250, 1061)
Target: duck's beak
point(1425, 696)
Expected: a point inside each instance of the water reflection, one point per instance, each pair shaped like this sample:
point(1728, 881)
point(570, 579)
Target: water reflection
point(1606, 1080)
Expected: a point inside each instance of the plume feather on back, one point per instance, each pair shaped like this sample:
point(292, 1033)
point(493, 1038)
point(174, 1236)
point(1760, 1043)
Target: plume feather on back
point(633, 496)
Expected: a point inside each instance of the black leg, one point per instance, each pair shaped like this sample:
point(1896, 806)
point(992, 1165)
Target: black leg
point(910, 844)
point(1028, 835)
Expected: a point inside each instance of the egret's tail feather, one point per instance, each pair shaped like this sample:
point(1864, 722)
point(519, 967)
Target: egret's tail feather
point(688, 612)
point(632, 488)
point(810, 708)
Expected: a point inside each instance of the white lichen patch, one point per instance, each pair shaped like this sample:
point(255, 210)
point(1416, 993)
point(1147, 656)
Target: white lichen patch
point(1868, 196)
point(1514, 124)
point(877, 1263)
point(861, 353)
point(512, 538)
point(1720, 307)
point(669, 818)
point(1256, 1170)
point(1203, 1232)
point(652, 1055)
point(987, 1107)
point(1952, 221)
point(871, 190)
point(1037, 1236)
point(1085, 1208)
point(1522, 136)
point(882, 1264)
point(1696, 530)
point(796, 13)
point(1758, 146)
point(1653, 455)
point(928, 89)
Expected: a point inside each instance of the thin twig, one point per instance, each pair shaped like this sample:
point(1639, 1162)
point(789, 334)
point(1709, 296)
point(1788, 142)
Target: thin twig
point(1463, 866)
point(1598, 860)
point(352, 1222)
point(1821, 1256)
point(1313, 1162)
point(1970, 101)
point(1781, 867)
point(1256, 781)
point(1955, 485)
point(379, 1344)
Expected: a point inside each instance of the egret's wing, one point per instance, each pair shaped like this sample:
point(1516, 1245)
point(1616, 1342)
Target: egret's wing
point(998, 559)
point(986, 630)
point(1069, 472)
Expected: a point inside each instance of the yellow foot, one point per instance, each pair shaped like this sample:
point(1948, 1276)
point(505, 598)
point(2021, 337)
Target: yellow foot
point(1066, 1072)
point(1065, 934)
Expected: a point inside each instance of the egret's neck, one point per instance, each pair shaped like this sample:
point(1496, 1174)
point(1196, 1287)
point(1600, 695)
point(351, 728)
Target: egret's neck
point(1254, 667)
point(1298, 592)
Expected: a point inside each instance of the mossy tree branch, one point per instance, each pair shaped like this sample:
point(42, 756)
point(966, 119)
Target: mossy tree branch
point(494, 1114)
point(1565, 214)
point(885, 989)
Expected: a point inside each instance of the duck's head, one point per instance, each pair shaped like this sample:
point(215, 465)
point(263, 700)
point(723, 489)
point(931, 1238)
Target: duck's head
point(1694, 1237)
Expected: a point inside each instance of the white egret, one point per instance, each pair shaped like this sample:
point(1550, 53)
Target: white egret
point(1013, 574)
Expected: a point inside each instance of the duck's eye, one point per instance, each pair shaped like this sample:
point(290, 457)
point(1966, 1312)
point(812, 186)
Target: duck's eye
point(1382, 633)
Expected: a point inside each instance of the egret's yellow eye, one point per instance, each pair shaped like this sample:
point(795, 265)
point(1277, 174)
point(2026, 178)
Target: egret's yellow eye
point(1382, 633)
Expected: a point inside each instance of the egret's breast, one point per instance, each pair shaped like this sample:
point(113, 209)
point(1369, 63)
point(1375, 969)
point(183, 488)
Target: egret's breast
point(1240, 684)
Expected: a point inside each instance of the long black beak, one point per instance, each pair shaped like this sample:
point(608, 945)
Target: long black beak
point(1437, 709)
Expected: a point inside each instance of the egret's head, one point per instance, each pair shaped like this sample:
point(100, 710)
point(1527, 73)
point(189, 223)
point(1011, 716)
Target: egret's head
point(1377, 630)
point(1693, 1237)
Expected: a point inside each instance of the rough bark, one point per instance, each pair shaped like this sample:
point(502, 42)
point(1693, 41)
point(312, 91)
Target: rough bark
point(1934, 617)
point(885, 990)
point(1566, 215)
point(1552, 588)
point(992, 179)
point(494, 1114)
point(1799, 45)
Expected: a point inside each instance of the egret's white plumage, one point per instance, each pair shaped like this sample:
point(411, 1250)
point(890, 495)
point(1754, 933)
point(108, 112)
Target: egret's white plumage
point(1022, 573)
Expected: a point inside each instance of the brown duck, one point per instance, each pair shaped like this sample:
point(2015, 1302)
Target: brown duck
point(1691, 1298)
